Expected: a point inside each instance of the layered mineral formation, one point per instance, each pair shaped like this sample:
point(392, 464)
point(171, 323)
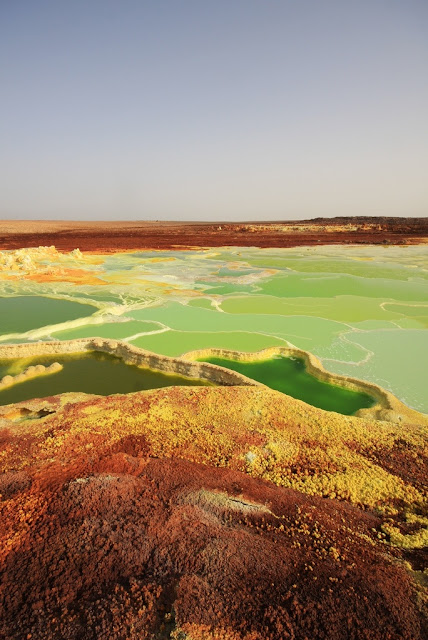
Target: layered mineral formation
point(387, 406)
point(47, 264)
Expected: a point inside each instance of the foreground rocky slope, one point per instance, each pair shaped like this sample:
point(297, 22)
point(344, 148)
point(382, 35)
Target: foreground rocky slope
point(209, 513)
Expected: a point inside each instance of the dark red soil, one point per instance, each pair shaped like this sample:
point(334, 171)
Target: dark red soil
point(403, 460)
point(108, 237)
point(138, 545)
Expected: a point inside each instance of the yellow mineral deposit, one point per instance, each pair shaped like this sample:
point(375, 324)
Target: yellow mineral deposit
point(34, 371)
point(387, 407)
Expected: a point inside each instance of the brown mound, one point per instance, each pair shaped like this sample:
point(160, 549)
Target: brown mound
point(159, 548)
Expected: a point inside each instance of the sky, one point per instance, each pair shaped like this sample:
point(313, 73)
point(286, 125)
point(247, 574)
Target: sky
point(213, 109)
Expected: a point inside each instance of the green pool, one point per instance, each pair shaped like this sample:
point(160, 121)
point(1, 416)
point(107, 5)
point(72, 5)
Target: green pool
point(289, 375)
point(93, 372)
point(22, 313)
point(361, 310)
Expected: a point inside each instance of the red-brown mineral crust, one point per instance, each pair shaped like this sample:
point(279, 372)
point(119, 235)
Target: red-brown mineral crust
point(108, 236)
point(140, 546)
point(112, 529)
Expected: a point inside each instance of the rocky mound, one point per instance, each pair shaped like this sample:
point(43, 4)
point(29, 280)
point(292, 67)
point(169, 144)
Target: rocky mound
point(111, 528)
point(141, 547)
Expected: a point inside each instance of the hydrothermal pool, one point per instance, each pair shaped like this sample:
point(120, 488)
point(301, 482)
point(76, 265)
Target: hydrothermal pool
point(22, 313)
point(362, 311)
point(289, 375)
point(93, 372)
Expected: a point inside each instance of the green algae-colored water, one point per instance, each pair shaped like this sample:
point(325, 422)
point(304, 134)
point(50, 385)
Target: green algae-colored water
point(289, 376)
point(22, 313)
point(363, 311)
point(93, 372)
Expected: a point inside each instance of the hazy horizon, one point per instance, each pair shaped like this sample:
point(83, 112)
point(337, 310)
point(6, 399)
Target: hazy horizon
point(228, 111)
point(205, 221)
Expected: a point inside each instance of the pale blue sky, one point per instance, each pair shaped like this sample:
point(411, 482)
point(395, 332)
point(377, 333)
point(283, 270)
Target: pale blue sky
point(222, 109)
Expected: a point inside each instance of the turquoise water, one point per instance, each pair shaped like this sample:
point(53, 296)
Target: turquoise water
point(289, 376)
point(98, 373)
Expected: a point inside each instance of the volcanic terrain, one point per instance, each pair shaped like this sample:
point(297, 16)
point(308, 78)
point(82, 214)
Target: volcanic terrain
point(109, 237)
point(208, 513)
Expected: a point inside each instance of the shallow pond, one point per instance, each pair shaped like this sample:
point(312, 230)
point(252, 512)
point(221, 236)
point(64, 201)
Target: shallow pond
point(289, 375)
point(22, 313)
point(363, 311)
point(93, 372)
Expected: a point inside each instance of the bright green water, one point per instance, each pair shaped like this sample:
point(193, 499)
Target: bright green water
point(22, 313)
point(362, 310)
point(97, 373)
point(289, 376)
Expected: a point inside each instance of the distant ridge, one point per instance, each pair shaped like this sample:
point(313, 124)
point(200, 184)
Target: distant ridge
point(112, 236)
